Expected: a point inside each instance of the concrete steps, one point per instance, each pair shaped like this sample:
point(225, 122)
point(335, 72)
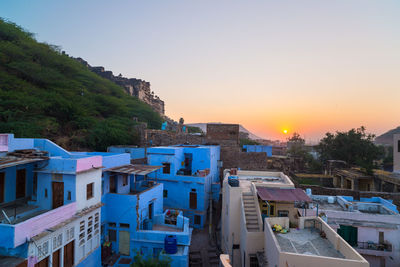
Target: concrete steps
point(250, 212)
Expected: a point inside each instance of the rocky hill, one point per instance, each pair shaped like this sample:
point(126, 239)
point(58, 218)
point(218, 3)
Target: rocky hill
point(387, 138)
point(45, 93)
point(132, 86)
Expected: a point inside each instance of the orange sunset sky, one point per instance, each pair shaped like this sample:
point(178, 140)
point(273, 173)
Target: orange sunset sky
point(305, 66)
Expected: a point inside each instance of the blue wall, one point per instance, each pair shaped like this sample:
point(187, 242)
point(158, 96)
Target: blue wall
point(92, 260)
point(135, 152)
point(179, 187)
point(258, 148)
point(10, 181)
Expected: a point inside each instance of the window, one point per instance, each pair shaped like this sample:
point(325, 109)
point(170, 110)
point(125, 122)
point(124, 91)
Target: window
point(398, 145)
point(125, 179)
point(124, 225)
point(46, 193)
point(112, 224)
point(167, 168)
point(112, 235)
point(272, 211)
point(283, 213)
point(151, 210)
point(197, 219)
point(165, 193)
point(89, 191)
point(69, 197)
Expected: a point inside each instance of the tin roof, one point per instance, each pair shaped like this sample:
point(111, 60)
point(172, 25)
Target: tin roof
point(134, 169)
point(280, 194)
point(10, 161)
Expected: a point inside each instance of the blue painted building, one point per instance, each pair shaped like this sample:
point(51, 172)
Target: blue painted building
point(135, 152)
point(134, 221)
point(50, 201)
point(190, 176)
point(258, 148)
point(63, 208)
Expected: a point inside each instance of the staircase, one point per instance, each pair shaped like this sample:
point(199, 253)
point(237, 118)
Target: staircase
point(250, 212)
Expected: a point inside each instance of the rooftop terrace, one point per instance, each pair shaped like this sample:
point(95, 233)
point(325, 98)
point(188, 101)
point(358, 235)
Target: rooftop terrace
point(307, 241)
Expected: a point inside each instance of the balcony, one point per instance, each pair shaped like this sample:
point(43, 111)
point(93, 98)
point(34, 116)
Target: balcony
point(33, 224)
point(375, 249)
point(171, 222)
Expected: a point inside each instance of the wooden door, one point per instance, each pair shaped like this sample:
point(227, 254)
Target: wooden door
point(23, 264)
point(2, 181)
point(43, 263)
point(21, 183)
point(56, 258)
point(193, 200)
point(124, 237)
point(113, 184)
point(69, 254)
point(58, 194)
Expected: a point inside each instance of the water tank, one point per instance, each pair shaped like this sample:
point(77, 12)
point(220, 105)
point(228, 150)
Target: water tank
point(170, 244)
point(331, 200)
point(233, 181)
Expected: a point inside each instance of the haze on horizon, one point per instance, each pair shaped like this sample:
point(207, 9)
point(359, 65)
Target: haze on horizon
point(304, 66)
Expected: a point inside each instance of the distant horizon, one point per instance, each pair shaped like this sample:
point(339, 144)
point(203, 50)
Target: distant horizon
point(309, 67)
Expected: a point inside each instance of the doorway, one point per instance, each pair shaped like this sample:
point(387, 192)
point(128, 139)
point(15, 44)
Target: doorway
point(193, 200)
point(43, 263)
point(124, 237)
point(2, 183)
point(58, 194)
point(69, 254)
point(113, 184)
point(21, 184)
point(56, 258)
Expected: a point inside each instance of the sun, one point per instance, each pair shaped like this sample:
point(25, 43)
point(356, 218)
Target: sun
point(285, 131)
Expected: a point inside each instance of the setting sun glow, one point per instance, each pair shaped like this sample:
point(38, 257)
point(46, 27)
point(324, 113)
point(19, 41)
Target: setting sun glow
point(285, 131)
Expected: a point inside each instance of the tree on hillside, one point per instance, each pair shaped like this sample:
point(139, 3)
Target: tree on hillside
point(355, 147)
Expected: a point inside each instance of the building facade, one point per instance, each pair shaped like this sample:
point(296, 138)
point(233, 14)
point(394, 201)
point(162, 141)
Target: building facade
point(247, 198)
point(51, 204)
point(190, 178)
point(370, 225)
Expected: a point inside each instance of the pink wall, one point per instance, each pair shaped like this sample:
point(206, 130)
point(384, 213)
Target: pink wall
point(3, 142)
point(38, 224)
point(88, 163)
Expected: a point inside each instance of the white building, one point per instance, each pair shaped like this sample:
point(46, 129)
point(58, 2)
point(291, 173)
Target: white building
point(370, 225)
point(247, 198)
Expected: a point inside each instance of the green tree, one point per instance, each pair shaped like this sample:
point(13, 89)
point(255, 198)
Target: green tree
point(140, 261)
point(356, 147)
point(296, 146)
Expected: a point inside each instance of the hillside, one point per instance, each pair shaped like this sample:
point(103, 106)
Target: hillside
point(45, 93)
point(203, 127)
point(387, 138)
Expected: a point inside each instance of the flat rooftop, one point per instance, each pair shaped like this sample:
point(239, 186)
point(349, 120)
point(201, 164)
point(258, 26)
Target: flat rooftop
point(307, 241)
point(263, 179)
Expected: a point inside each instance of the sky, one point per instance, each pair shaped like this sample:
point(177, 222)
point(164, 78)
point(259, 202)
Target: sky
point(305, 66)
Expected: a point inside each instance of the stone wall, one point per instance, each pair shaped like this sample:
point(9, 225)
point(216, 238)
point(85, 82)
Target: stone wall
point(224, 134)
point(166, 138)
point(134, 87)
